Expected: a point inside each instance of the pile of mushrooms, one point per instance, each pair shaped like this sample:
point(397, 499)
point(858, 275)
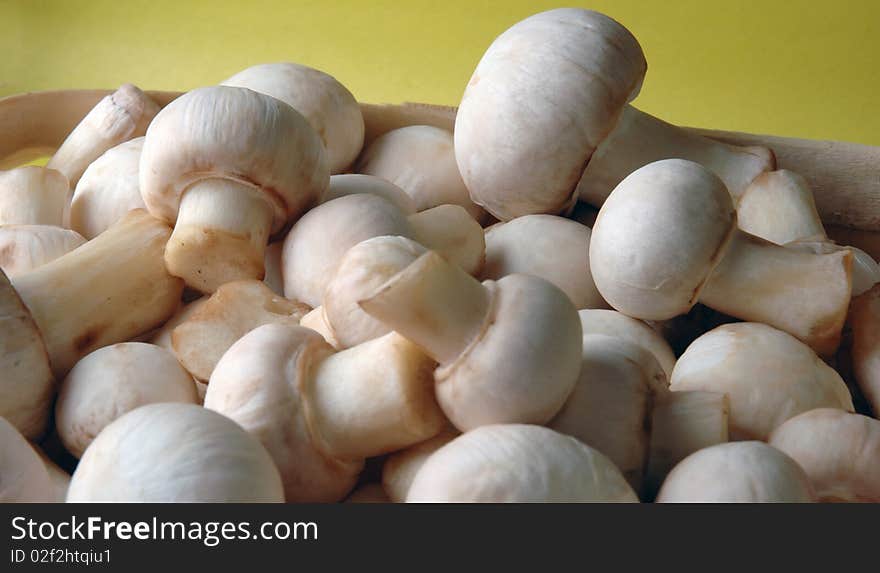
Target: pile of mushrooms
point(252, 291)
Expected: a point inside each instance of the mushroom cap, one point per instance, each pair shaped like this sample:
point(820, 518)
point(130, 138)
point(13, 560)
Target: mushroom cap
point(839, 451)
point(659, 236)
point(23, 476)
point(27, 383)
point(523, 365)
point(737, 472)
point(261, 383)
point(611, 404)
point(233, 310)
point(355, 183)
point(363, 269)
point(550, 247)
point(238, 134)
point(108, 189)
point(401, 467)
point(33, 195)
point(613, 323)
point(518, 463)
point(329, 107)
point(544, 95)
point(26, 247)
point(319, 240)
point(162, 336)
point(114, 380)
point(171, 452)
point(769, 375)
point(420, 159)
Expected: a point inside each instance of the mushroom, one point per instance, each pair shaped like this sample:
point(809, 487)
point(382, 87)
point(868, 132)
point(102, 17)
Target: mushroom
point(228, 167)
point(544, 119)
point(328, 106)
point(33, 195)
point(274, 278)
point(26, 247)
point(59, 478)
point(319, 240)
point(369, 493)
point(315, 320)
point(109, 290)
point(550, 247)
point(681, 424)
point(355, 184)
point(320, 414)
point(420, 159)
point(162, 336)
point(768, 375)
point(613, 323)
point(401, 467)
point(667, 237)
point(518, 463)
point(839, 451)
point(741, 472)
point(779, 206)
point(114, 380)
point(108, 189)
point(118, 117)
point(232, 311)
point(363, 268)
point(864, 318)
point(23, 476)
point(171, 452)
point(509, 351)
point(610, 406)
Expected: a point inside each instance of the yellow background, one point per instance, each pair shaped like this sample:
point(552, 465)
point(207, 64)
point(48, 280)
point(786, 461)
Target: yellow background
point(801, 68)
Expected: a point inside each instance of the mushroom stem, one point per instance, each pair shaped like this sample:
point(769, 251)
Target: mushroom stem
point(221, 234)
point(639, 139)
point(453, 232)
point(109, 290)
point(804, 294)
point(435, 304)
point(374, 398)
point(779, 206)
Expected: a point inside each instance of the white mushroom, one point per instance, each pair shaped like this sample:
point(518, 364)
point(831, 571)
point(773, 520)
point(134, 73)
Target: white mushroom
point(32, 195)
point(518, 463)
point(23, 476)
point(114, 380)
point(355, 183)
point(864, 318)
point(26, 247)
point(274, 278)
point(613, 323)
point(400, 469)
point(163, 453)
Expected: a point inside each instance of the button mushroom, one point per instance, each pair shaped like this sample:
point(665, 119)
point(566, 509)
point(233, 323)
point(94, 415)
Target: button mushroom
point(401, 467)
point(355, 184)
point(328, 106)
point(510, 351)
point(742, 472)
point(109, 290)
point(228, 167)
point(840, 452)
point(32, 195)
point(613, 323)
point(667, 237)
point(518, 463)
point(23, 476)
point(163, 453)
point(26, 247)
point(544, 118)
point(320, 414)
point(120, 116)
point(420, 159)
point(108, 189)
point(550, 247)
point(768, 375)
point(114, 380)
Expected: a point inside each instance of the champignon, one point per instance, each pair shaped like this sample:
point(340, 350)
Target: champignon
point(32, 195)
point(26, 247)
point(400, 468)
point(23, 476)
point(667, 237)
point(613, 323)
point(355, 184)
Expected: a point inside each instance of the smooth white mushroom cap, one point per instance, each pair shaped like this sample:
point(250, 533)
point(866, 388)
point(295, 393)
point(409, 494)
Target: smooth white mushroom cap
point(659, 236)
point(420, 159)
point(356, 183)
point(32, 195)
point(737, 472)
point(329, 107)
point(613, 323)
point(237, 134)
point(23, 476)
point(108, 189)
point(175, 453)
point(26, 247)
point(518, 463)
point(544, 95)
point(839, 451)
point(769, 376)
point(114, 380)
point(550, 247)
